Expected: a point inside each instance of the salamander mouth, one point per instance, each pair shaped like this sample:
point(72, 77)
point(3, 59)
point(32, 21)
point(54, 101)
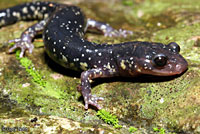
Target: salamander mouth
point(168, 70)
point(171, 70)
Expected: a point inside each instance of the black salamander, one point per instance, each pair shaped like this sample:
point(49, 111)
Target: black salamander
point(63, 29)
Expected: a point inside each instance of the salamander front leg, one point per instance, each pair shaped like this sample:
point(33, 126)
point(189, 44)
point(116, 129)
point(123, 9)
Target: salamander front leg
point(25, 41)
point(85, 87)
point(106, 29)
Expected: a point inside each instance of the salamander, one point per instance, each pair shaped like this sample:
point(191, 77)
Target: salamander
point(63, 28)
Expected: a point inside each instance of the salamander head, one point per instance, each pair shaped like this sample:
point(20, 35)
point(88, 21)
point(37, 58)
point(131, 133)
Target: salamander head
point(159, 59)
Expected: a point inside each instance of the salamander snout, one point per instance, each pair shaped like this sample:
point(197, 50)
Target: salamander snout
point(180, 67)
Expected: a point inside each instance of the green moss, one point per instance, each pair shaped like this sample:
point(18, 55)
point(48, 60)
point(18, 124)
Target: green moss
point(127, 2)
point(108, 118)
point(30, 69)
point(160, 130)
point(132, 129)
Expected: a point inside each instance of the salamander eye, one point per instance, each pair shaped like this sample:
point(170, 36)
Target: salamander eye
point(174, 47)
point(160, 60)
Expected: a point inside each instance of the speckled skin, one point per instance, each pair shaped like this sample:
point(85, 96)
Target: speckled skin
point(63, 29)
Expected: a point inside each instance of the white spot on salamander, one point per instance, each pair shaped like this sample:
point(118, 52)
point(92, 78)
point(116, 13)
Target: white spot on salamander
point(122, 64)
point(32, 8)
point(146, 60)
point(16, 14)
point(2, 22)
point(46, 15)
point(77, 13)
point(76, 59)
point(88, 50)
point(25, 10)
point(2, 14)
point(44, 8)
point(83, 65)
point(64, 58)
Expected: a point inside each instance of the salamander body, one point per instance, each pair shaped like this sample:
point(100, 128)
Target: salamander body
point(63, 28)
